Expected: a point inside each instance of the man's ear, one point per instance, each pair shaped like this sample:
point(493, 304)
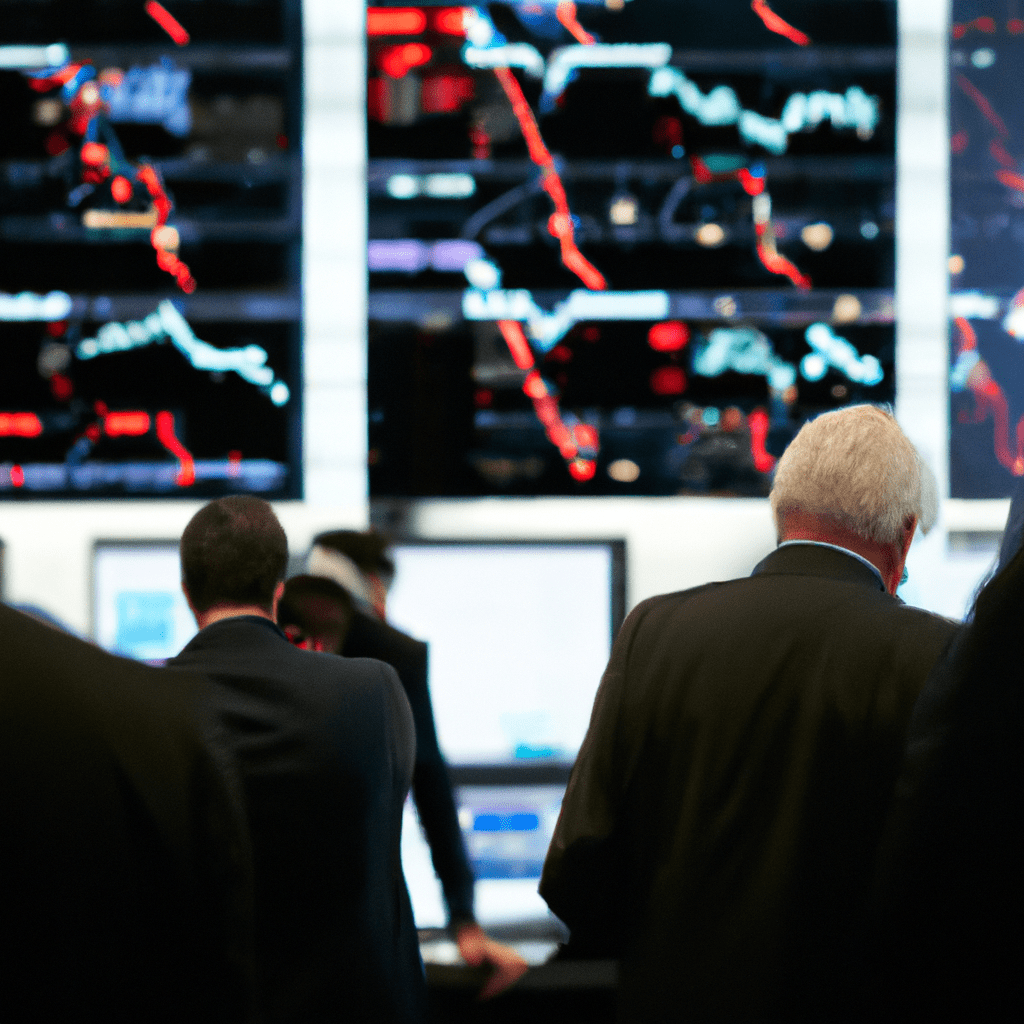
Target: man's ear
point(188, 601)
point(909, 529)
point(278, 593)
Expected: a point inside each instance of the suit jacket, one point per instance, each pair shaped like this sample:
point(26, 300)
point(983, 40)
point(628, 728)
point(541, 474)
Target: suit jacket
point(946, 942)
point(719, 827)
point(325, 746)
point(369, 637)
point(124, 856)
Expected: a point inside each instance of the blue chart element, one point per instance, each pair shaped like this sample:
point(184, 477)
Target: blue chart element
point(830, 350)
point(525, 751)
point(517, 822)
point(802, 111)
point(27, 306)
point(564, 63)
point(144, 619)
point(410, 255)
point(167, 323)
point(548, 329)
point(153, 95)
point(744, 350)
point(507, 844)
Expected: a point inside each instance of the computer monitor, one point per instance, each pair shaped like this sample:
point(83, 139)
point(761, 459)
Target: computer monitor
point(519, 635)
point(138, 609)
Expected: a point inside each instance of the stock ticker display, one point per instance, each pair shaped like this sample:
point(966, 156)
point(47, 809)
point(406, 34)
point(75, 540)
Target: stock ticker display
point(987, 249)
point(150, 190)
point(623, 247)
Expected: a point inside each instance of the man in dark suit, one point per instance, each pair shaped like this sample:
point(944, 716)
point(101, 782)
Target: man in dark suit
point(945, 942)
point(127, 878)
point(718, 832)
point(359, 562)
point(325, 747)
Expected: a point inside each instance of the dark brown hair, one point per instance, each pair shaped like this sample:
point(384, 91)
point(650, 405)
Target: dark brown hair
point(233, 551)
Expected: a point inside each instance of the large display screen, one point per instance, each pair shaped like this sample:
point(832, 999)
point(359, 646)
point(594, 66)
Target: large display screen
point(986, 249)
point(150, 234)
point(623, 247)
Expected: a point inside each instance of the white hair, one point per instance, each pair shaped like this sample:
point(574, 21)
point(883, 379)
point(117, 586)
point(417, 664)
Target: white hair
point(856, 466)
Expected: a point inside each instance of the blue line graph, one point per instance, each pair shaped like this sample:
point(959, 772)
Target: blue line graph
point(167, 323)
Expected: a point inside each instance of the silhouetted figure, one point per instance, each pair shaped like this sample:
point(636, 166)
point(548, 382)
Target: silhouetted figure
point(325, 747)
point(127, 878)
point(360, 562)
point(947, 939)
point(315, 613)
point(720, 825)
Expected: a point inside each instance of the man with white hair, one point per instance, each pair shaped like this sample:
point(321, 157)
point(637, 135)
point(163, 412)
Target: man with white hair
point(718, 833)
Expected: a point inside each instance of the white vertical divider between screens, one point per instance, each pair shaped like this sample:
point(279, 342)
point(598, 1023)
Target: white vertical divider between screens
point(334, 254)
point(922, 230)
point(922, 249)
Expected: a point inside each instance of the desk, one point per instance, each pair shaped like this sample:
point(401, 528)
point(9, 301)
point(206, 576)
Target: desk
point(551, 992)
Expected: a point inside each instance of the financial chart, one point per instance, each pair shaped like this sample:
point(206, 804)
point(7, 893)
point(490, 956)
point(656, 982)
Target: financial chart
point(986, 249)
point(623, 247)
point(150, 237)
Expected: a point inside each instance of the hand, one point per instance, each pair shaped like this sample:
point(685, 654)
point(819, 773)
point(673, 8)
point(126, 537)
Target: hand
point(477, 949)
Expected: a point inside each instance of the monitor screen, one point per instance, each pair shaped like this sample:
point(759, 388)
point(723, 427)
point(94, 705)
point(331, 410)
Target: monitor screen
point(986, 373)
point(519, 635)
point(138, 609)
point(507, 831)
point(623, 248)
point(150, 220)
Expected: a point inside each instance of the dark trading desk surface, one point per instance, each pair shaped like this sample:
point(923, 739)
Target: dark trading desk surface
point(553, 990)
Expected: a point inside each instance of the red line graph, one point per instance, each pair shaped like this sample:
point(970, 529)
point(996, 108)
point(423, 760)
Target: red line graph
point(983, 24)
point(982, 103)
point(989, 398)
point(20, 424)
point(775, 261)
point(774, 23)
point(566, 14)
point(167, 22)
point(767, 252)
point(759, 424)
point(545, 405)
point(560, 224)
point(166, 436)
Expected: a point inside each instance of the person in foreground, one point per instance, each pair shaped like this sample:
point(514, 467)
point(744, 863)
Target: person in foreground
point(325, 747)
point(946, 941)
point(719, 828)
point(358, 561)
point(127, 876)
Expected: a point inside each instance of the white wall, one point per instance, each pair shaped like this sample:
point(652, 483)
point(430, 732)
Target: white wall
point(673, 542)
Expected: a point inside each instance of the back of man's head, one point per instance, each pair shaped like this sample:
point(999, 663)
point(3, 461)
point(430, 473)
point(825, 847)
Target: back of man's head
point(854, 466)
point(315, 612)
point(233, 552)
